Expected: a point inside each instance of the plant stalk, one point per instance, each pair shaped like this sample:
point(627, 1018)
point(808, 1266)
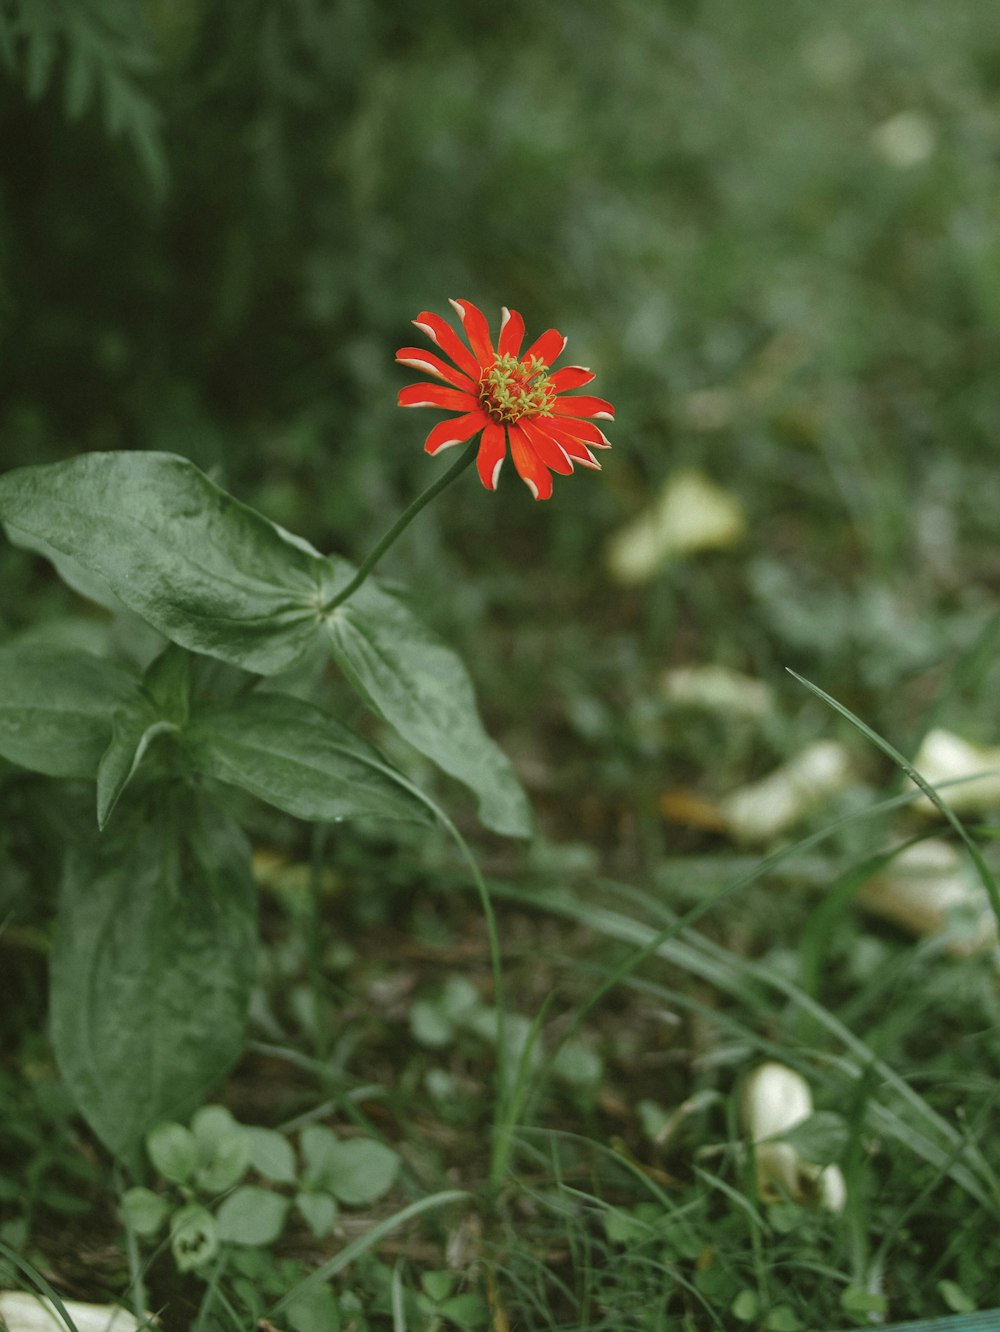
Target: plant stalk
point(401, 524)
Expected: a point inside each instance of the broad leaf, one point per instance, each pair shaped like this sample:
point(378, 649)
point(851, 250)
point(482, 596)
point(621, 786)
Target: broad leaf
point(152, 966)
point(422, 688)
point(73, 574)
point(56, 707)
point(293, 755)
point(202, 568)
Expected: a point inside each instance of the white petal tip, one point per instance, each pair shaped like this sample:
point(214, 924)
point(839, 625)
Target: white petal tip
point(427, 330)
point(603, 416)
point(496, 474)
point(416, 364)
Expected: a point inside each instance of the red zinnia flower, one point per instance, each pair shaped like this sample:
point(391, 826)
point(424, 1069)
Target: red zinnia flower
point(507, 396)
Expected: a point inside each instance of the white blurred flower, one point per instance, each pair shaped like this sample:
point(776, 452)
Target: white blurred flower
point(775, 1099)
point(758, 812)
point(718, 689)
point(931, 888)
point(906, 139)
point(22, 1312)
point(691, 514)
point(831, 58)
point(946, 757)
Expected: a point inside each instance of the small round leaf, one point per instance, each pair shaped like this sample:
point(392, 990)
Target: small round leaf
point(252, 1216)
point(173, 1152)
point(271, 1155)
point(223, 1149)
point(143, 1211)
point(361, 1171)
point(319, 1211)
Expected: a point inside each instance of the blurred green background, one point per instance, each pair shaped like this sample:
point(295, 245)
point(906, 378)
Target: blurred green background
point(772, 229)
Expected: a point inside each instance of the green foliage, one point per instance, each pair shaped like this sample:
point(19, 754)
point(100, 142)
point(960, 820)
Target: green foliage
point(57, 708)
point(438, 1300)
point(217, 578)
point(298, 758)
point(355, 1173)
point(203, 569)
point(45, 1179)
point(408, 675)
point(214, 1156)
point(154, 949)
point(457, 1010)
point(152, 965)
point(773, 229)
point(104, 49)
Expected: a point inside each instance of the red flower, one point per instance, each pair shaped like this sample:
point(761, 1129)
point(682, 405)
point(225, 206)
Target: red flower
point(507, 396)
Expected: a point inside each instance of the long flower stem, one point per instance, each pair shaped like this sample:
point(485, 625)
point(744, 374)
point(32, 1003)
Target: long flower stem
point(401, 523)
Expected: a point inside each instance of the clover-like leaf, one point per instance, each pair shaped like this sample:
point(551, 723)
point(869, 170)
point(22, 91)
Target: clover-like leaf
point(252, 1216)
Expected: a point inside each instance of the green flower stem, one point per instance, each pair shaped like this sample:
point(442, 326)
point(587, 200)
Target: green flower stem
point(401, 523)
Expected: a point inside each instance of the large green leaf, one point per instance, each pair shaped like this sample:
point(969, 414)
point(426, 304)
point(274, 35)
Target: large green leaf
point(297, 757)
point(152, 966)
point(422, 688)
point(56, 707)
point(202, 568)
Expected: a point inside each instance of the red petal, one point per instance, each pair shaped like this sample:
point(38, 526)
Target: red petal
point(492, 451)
point(511, 332)
point(546, 446)
point(436, 395)
point(571, 377)
point(548, 348)
point(448, 340)
point(529, 466)
point(585, 430)
point(455, 431)
point(476, 330)
point(584, 406)
point(433, 365)
point(571, 444)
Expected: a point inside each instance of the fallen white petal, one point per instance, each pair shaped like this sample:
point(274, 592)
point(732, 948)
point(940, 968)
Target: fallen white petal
point(758, 812)
point(691, 514)
point(23, 1312)
point(931, 888)
point(718, 689)
point(944, 756)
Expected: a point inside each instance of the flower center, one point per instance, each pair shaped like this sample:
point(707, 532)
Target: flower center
point(510, 389)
